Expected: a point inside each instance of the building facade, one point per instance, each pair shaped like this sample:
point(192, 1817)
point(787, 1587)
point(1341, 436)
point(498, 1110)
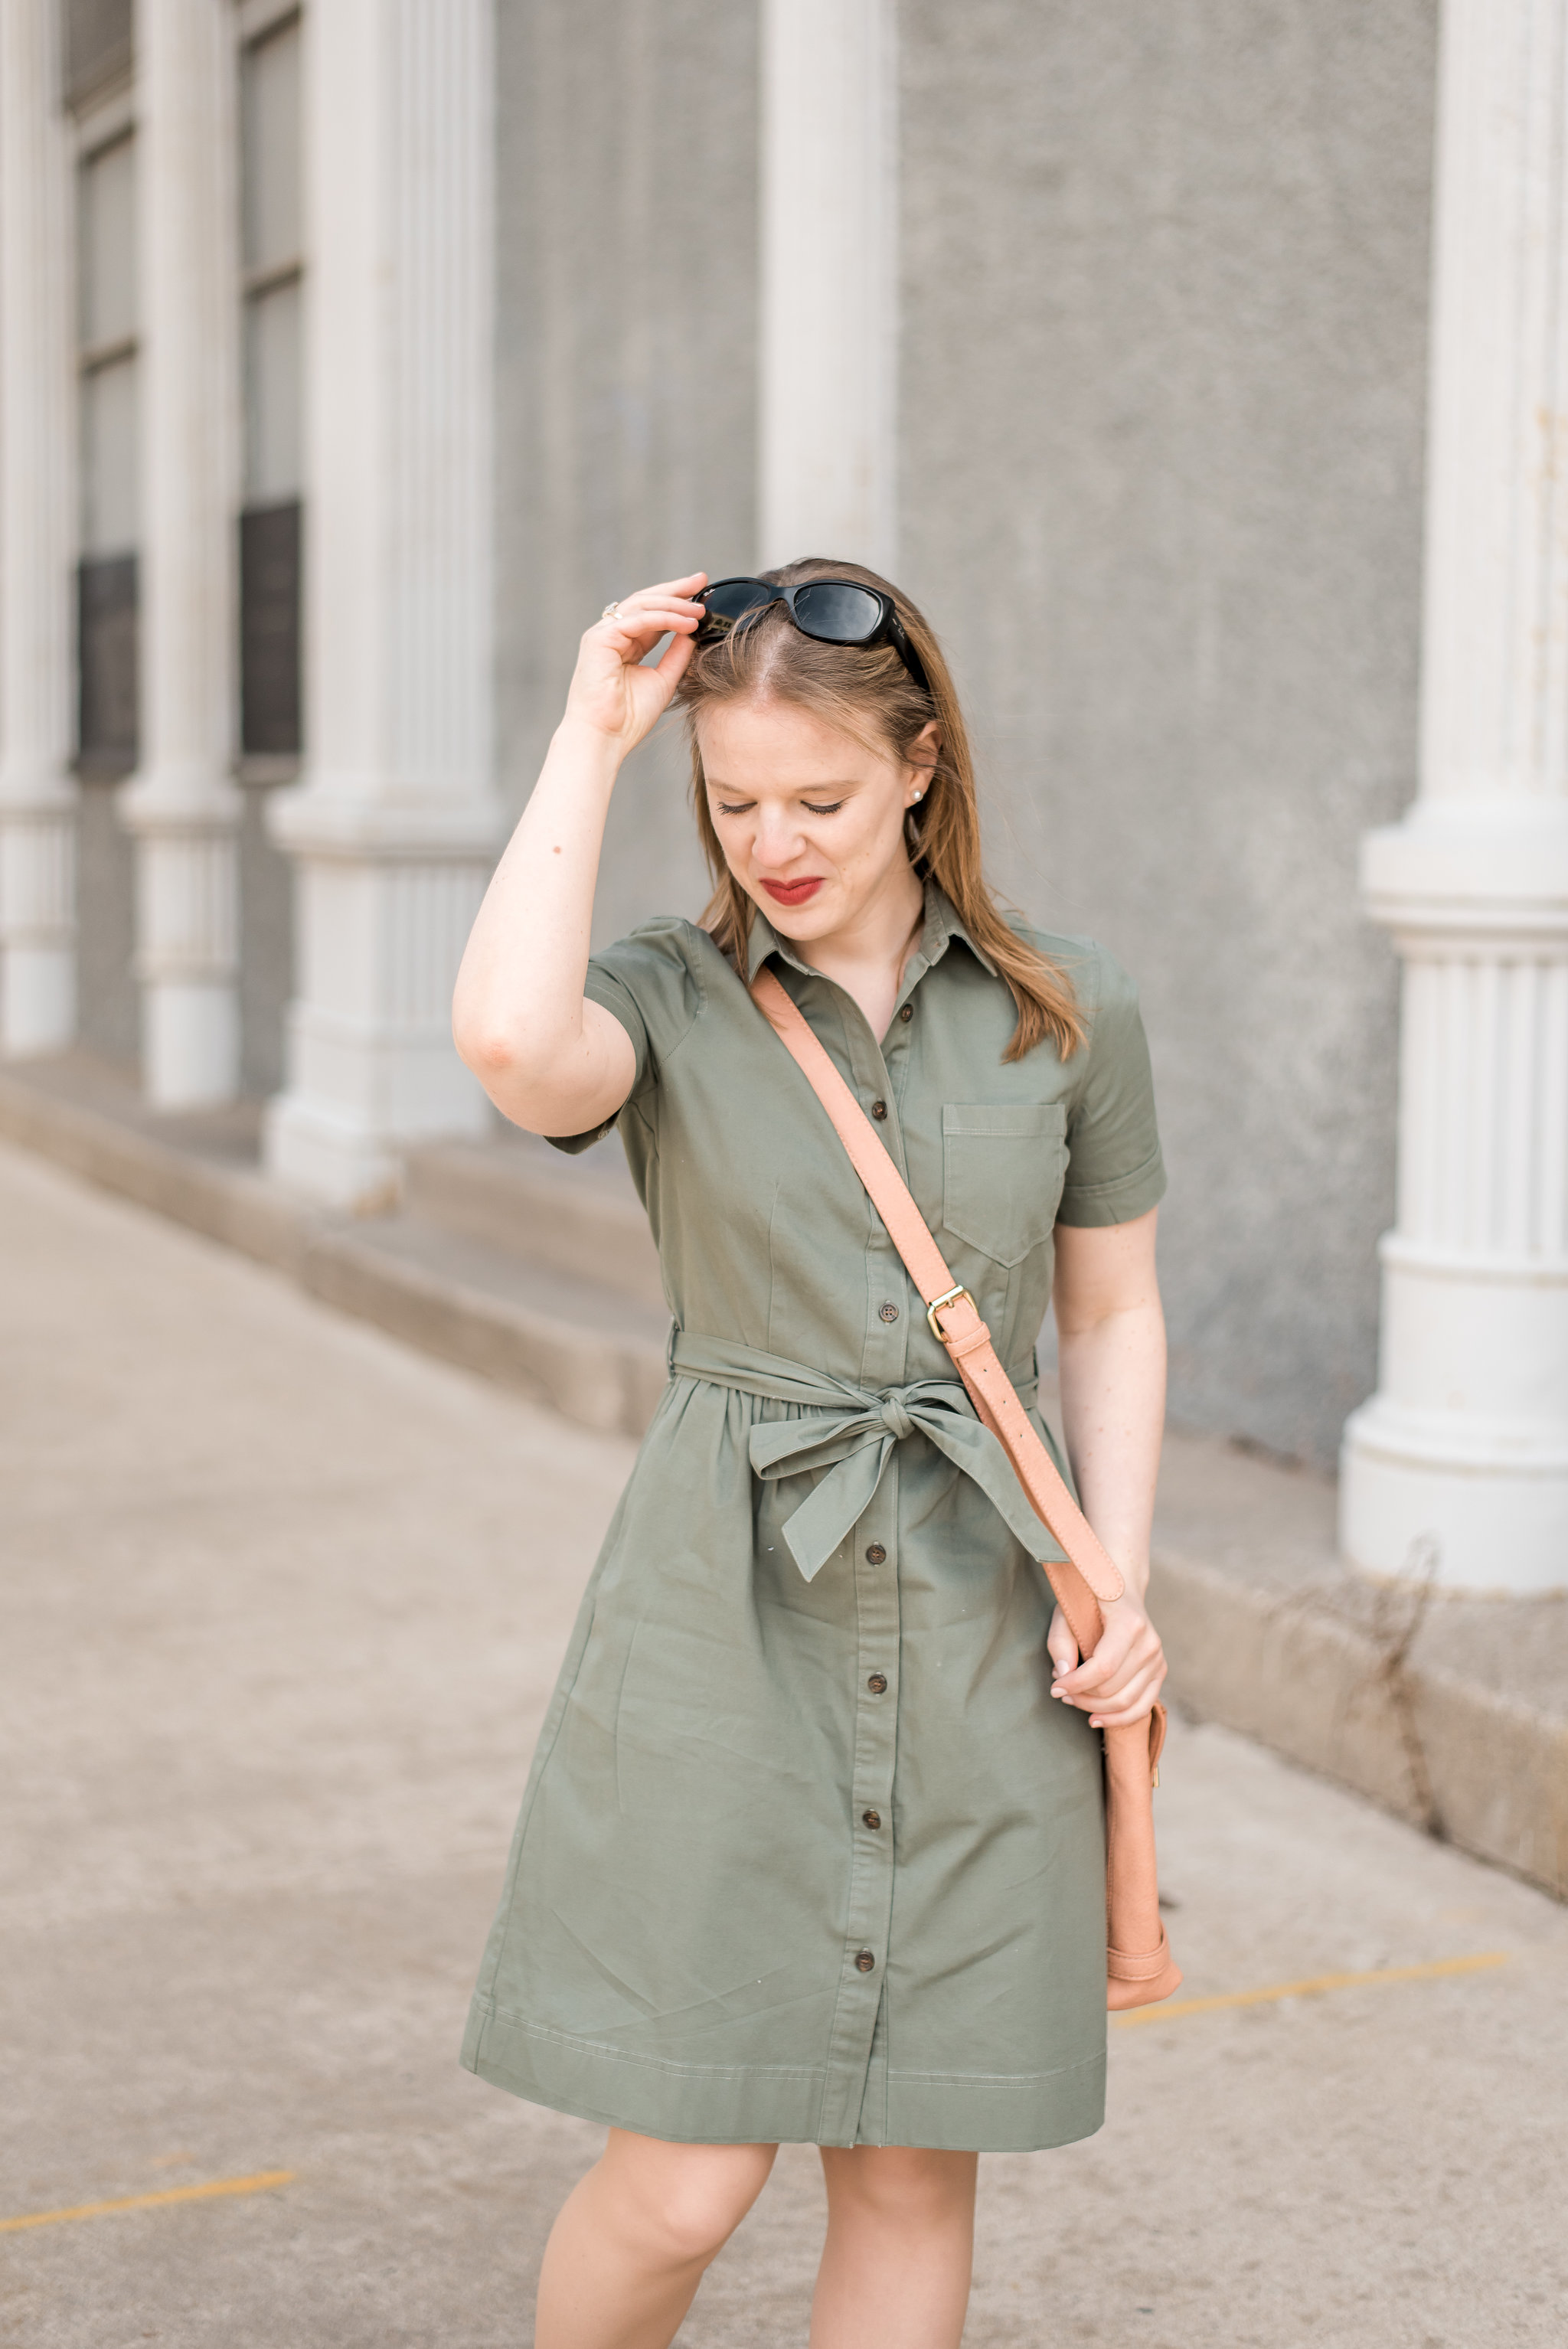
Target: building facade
point(1195, 370)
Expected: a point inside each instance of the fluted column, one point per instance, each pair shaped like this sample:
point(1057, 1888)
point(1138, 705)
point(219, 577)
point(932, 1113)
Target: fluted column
point(829, 280)
point(395, 827)
point(183, 803)
point(38, 417)
point(1466, 1440)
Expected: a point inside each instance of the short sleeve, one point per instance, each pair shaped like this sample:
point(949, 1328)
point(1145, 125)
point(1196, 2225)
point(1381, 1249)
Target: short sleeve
point(1115, 1171)
point(651, 983)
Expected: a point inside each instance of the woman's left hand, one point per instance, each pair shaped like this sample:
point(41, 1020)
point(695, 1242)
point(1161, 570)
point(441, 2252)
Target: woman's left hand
point(1120, 1682)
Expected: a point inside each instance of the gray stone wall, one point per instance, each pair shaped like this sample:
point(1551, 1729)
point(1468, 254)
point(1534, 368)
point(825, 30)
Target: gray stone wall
point(1165, 280)
point(626, 384)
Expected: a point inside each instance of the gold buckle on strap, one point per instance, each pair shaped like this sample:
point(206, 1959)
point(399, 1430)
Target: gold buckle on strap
point(948, 1297)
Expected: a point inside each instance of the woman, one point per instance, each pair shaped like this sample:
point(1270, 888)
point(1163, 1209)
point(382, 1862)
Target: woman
point(807, 1852)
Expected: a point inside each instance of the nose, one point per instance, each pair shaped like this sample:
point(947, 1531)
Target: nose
point(778, 837)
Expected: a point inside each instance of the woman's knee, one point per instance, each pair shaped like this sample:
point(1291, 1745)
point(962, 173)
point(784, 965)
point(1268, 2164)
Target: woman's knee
point(686, 2200)
point(902, 2185)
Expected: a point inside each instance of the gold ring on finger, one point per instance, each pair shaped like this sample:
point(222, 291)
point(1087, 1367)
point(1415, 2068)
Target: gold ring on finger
point(611, 612)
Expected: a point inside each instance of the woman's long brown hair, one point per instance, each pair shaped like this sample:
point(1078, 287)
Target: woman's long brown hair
point(867, 692)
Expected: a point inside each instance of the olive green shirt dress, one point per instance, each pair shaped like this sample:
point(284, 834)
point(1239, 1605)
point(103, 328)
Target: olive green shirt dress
point(807, 1851)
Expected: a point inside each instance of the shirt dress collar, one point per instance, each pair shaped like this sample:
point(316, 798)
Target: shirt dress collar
point(942, 926)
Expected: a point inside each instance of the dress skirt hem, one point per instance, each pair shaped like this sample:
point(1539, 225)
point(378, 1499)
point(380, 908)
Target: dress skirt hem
point(778, 2103)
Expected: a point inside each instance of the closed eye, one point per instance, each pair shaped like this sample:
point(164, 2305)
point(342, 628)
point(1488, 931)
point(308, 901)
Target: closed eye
point(744, 807)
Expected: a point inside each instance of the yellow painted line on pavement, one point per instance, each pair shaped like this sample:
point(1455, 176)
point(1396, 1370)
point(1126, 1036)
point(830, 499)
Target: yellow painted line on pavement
point(256, 2185)
point(1312, 1988)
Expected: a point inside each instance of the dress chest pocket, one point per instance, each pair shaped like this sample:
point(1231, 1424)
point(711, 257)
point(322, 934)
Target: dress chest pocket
point(1003, 1166)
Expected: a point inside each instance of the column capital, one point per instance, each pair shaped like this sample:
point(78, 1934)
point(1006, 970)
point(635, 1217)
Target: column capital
point(321, 820)
point(176, 802)
point(34, 785)
point(1491, 868)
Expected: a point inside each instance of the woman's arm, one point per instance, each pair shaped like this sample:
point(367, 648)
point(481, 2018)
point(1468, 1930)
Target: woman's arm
point(549, 1059)
point(1112, 1358)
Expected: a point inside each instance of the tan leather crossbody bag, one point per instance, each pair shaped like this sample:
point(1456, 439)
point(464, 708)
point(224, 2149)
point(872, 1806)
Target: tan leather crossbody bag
point(1141, 1970)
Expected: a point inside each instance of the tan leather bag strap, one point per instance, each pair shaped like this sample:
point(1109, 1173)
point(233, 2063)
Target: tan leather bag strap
point(1087, 1578)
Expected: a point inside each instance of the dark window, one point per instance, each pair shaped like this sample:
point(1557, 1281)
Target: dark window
point(97, 46)
point(106, 663)
point(269, 630)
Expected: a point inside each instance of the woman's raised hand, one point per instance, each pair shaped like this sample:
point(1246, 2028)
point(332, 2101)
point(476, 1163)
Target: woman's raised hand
point(612, 693)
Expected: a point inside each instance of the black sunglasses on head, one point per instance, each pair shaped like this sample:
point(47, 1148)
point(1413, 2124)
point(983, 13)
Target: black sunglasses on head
point(832, 611)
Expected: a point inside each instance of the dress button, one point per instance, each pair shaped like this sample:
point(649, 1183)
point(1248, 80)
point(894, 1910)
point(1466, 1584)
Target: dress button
point(876, 1554)
point(871, 1818)
point(866, 1962)
point(888, 1313)
point(879, 1109)
point(878, 1683)
point(907, 1014)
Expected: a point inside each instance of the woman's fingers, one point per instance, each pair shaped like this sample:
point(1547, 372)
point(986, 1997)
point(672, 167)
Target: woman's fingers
point(645, 624)
point(1061, 1645)
point(1119, 1682)
point(1101, 1671)
point(670, 666)
point(612, 691)
point(669, 596)
point(1129, 1702)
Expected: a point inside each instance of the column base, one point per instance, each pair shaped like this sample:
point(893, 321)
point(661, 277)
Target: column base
point(187, 934)
point(190, 1043)
point(329, 1158)
point(37, 910)
point(1494, 1500)
point(37, 1001)
point(385, 897)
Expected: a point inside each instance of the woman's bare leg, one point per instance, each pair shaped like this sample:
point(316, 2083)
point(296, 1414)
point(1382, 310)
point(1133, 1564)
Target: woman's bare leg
point(901, 2245)
point(628, 2251)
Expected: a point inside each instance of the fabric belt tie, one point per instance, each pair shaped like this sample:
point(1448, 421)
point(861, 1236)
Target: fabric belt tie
point(849, 1431)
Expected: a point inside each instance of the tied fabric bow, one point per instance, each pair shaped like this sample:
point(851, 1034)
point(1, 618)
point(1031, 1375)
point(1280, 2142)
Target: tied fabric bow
point(849, 1431)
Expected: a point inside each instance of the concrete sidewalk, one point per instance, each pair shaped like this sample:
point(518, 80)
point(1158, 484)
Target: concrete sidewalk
point(281, 1603)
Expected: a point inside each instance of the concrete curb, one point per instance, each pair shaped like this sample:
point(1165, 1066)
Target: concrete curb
point(1472, 1764)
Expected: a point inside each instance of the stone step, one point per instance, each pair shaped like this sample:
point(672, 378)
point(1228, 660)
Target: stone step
point(580, 1218)
point(592, 1352)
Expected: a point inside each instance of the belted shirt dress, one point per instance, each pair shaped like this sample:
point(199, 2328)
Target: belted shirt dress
point(807, 1851)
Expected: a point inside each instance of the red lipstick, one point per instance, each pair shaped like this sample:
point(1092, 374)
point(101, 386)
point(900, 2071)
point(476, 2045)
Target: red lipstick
point(793, 893)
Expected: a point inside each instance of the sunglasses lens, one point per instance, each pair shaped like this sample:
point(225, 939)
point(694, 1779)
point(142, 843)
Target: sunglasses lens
point(730, 599)
point(837, 613)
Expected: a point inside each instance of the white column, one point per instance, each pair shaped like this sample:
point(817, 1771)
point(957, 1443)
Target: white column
point(828, 343)
point(183, 803)
point(395, 827)
point(38, 422)
point(1467, 1439)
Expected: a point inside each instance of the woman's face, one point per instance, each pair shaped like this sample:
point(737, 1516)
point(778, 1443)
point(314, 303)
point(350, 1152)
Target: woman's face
point(810, 819)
